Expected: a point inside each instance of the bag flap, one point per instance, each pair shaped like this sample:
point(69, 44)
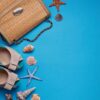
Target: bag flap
point(12, 27)
point(5, 4)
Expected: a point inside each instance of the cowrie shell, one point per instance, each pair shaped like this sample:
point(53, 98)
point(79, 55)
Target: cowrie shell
point(17, 11)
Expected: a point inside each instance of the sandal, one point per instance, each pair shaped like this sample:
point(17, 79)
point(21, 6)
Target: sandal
point(9, 58)
point(7, 79)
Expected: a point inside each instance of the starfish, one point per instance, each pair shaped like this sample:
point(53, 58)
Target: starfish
point(57, 3)
point(31, 76)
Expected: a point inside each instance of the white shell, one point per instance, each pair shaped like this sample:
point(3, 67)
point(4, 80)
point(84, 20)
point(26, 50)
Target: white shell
point(17, 11)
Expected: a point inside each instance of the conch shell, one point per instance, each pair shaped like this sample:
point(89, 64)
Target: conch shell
point(35, 97)
point(23, 95)
point(28, 48)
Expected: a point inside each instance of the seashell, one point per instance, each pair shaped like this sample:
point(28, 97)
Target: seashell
point(8, 97)
point(35, 97)
point(23, 95)
point(17, 11)
point(28, 48)
point(31, 61)
point(59, 17)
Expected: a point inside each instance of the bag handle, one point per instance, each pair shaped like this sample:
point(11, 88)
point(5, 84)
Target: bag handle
point(41, 32)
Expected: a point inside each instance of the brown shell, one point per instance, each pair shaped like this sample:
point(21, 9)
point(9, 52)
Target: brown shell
point(59, 17)
point(35, 97)
point(28, 48)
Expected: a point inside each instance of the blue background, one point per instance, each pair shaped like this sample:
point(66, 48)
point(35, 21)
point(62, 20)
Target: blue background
point(68, 55)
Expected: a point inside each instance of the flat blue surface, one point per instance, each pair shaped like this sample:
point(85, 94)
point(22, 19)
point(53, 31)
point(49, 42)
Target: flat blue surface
point(68, 55)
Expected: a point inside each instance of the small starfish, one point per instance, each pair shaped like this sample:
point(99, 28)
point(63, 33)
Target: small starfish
point(31, 76)
point(57, 3)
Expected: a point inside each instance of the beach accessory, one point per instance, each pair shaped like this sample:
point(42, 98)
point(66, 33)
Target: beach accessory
point(35, 97)
point(28, 48)
point(31, 60)
point(31, 76)
point(7, 79)
point(8, 97)
point(57, 3)
point(23, 95)
point(10, 58)
point(17, 17)
point(59, 17)
point(38, 35)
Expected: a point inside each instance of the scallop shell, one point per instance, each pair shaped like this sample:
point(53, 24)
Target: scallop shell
point(59, 17)
point(31, 60)
point(28, 48)
point(35, 97)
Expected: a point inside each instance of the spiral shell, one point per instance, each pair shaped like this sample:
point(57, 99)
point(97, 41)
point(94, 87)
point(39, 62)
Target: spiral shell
point(22, 95)
point(28, 48)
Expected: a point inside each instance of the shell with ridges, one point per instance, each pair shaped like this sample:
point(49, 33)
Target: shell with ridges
point(28, 48)
point(23, 95)
point(31, 60)
point(35, 97)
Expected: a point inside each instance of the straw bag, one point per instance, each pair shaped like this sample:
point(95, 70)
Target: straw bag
point(17, 17)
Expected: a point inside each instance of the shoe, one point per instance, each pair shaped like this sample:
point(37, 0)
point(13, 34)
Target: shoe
point(10, 58)
point(8, 79)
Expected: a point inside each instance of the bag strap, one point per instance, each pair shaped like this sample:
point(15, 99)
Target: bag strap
point(41, 32)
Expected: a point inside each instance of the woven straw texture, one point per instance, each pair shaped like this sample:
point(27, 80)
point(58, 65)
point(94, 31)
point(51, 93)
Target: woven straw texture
point(14, 27)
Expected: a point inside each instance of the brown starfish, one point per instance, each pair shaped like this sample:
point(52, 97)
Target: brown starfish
point(57, 3)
